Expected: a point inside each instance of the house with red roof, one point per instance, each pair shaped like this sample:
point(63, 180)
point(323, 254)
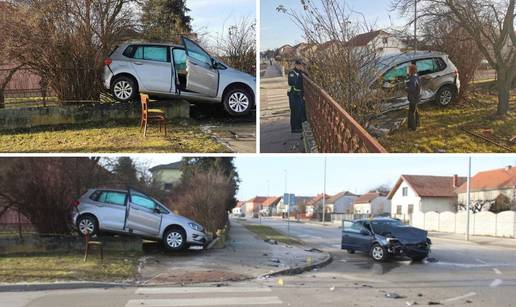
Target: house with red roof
point(372, 203)
point(487, 186)
point(422, 193)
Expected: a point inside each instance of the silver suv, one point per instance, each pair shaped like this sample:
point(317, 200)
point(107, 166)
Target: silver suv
point(177, 71)
point(134, 213)
point(439, 77)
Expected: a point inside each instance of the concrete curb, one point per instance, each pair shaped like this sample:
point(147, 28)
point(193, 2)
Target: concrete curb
point(300, 269)
point(61, 286)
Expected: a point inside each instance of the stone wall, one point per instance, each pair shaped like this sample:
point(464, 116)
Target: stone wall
point(30, 117)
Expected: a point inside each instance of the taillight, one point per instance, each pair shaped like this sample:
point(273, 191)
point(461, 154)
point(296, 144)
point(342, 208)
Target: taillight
point(108, 61)
point(75, 203)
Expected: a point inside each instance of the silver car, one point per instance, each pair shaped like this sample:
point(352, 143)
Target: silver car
point(177, 71)
point(134, 213)
point(439, 77)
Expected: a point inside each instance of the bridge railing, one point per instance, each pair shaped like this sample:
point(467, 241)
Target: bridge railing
point(335, 131)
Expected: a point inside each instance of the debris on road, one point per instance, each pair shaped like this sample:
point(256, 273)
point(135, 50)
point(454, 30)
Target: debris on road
point(332, 289)
point(270, 241)
point(434, 303)
point(411, 303)
point(393, 295)
point(281, 282)
point(313, 250)
point(431, 260)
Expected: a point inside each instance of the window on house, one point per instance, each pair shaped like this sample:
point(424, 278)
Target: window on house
point(398, 210)
point(404, 191)
point(385, 40)
point(410, 209)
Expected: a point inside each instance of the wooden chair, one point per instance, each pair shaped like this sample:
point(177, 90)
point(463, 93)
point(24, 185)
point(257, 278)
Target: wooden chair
point(90, 243)
point(151, 115)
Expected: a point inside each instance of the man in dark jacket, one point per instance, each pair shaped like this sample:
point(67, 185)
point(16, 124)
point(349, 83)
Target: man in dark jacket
point(414, 97)
point(296, 97)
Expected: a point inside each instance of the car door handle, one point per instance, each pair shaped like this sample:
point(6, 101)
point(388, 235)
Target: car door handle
point(137, 63)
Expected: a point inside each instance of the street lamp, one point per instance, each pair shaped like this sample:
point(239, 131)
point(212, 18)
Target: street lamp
point(324, 195)
point(415, 26)
point(284, 202)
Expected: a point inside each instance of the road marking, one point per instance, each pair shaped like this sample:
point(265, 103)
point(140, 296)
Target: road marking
point(343, 260)
point(460, 297)
point(496, 283)
point(211, 301)
point(181, 290)
point(480, 260)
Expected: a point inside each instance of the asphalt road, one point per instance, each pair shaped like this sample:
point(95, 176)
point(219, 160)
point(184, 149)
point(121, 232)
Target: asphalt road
point(460, 274)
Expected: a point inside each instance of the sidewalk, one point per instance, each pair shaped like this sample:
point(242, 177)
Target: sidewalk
point(480, 240)
point(245, 257)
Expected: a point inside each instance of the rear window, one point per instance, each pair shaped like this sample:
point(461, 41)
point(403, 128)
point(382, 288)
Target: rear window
point(148, 53)
point(109, 197)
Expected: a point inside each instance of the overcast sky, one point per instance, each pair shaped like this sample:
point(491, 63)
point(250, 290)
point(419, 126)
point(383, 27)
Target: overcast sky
point(277, 29)
point(356, 173)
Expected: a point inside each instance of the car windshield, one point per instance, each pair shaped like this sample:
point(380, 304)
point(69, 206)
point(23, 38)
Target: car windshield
point(385, 226)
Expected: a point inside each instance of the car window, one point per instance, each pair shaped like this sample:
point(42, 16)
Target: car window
point(430, 66)
point(356, 226)
point(400, 71)
point(111, 197)
point(151, 53)
point(142, 201)
point(179, 59)
point(197, 53)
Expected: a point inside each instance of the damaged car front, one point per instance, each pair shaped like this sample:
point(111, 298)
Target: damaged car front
point(397, 239)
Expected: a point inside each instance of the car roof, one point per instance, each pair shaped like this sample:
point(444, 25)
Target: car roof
point(143, 42)
point(380, 218)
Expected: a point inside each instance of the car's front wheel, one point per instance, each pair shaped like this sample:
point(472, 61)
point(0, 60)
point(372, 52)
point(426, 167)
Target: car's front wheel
point(87, 225)
point(238, 102)
point(124, 89)
point(445, 96)
point(175, 239)
point(378, 253)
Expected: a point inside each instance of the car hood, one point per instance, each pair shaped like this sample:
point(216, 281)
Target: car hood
point(405, 234)
point(178, 219)
point(239, 74)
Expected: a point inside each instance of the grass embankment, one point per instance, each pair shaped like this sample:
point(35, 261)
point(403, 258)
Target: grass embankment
point(117, 266)
point(442, 128)
point(266, 232)
point(111, 138)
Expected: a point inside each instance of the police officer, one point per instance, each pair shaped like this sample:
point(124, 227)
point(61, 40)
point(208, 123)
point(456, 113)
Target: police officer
point(414, 97)
point(296, 97)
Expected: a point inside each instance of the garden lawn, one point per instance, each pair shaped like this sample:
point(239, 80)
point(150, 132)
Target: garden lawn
point(440, 129)
point(112, 138)
point(266, 232)
point(117, 266)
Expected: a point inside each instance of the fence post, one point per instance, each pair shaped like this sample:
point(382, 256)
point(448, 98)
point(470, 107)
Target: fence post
point(2, 100)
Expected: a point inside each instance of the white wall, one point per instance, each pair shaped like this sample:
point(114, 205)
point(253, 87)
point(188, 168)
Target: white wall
point(486, 195)
point(438, 204)
point(381, 205)
point(398, 199)
point(483, 223)
point(344, 203)
point(363, 208)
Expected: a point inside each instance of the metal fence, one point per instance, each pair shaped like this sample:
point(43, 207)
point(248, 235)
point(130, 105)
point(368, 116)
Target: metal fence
point(25, 87)
point(12, 221)
point(335, 131)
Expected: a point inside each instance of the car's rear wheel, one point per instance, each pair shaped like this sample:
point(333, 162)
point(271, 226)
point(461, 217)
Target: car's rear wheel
point(445, 95)
point(175, 239)
point(87, 225)
point(238, 102)
point(124, 89)
point(378, 253)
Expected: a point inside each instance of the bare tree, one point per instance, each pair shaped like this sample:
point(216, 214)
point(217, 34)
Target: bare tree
point(65, 41)
point(237, 45)
point(345, 71)
point(490, 23)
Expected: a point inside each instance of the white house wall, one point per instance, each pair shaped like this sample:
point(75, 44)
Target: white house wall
point(438, 204)
point(343, 204)
point(398, 199)
point(486, 195)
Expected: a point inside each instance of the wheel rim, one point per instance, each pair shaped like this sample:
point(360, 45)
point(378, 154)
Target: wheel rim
point(123, 90)
point(446, 97)
point(86, 226)
point(174, 239)
point(377, 252)
point(238, 102)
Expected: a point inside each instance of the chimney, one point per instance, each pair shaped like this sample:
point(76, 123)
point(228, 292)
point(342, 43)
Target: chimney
point(455, 181)
point(508, 167)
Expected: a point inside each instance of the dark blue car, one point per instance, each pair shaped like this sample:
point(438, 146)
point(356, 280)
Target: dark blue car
point(385, 237)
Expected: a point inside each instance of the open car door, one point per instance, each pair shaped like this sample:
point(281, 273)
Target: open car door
point(142, 214)
point(202, 77)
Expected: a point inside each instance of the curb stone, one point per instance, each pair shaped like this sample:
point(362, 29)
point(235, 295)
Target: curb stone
point(300, 269)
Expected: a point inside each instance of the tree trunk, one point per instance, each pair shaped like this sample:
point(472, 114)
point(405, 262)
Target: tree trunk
point(2, 103)
point(504, 88)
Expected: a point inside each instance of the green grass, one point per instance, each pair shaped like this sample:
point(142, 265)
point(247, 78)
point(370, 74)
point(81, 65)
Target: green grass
point(111, 138)
point(266, 232)
point(441, 131)
point(117, 266)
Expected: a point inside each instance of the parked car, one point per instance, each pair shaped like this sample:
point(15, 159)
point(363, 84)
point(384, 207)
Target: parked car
point(177, 71)
point(385, 237)
point(131, 212)
point(440, 80)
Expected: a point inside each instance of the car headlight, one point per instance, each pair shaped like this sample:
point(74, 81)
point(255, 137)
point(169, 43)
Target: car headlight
point(195, 226)
point(389, 240)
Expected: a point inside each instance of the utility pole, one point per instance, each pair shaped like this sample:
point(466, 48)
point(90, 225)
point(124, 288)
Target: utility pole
point(415, 26)
point(324, 195)
point(285, 201)
point(468, 200)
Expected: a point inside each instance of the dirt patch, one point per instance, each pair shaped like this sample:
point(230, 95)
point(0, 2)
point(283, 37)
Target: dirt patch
point(189, 277)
